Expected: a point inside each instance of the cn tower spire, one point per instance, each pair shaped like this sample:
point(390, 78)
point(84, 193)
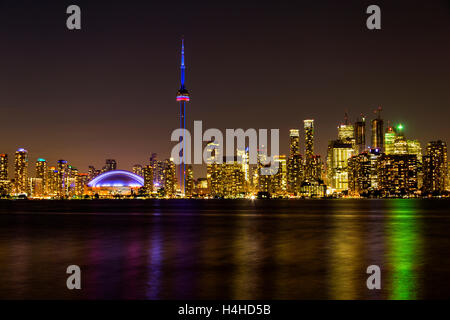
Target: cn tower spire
point(183, 94)
point(182, 67)
point(182, 98)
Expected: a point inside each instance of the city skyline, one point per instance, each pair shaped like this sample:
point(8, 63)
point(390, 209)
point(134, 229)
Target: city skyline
point(294, 67)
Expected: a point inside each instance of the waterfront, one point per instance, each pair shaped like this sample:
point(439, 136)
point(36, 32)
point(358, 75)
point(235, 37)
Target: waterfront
point(225, 249)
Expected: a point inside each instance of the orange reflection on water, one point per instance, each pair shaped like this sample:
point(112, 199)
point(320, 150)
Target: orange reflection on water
point(345, 247)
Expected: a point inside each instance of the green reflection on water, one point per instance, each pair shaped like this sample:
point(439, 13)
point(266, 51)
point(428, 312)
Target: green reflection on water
point(404, 242)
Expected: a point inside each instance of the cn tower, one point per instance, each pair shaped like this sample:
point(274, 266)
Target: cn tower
point(182, 98)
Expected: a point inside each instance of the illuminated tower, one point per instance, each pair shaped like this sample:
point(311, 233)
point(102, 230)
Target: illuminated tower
point(3, 166)
point(435, 167)
point(110, 165)
point(294, 163)
point(21, 171)
point(137, 169)
point(147, 172)
point(294, 142)
point(183, 99)
point(42, 173)
point(377, 131)
point(360, 135)
point(389, 140)
point(52, 182)
point(309, 148)
point(62, 179)
point(400, 143)
point(170, 178)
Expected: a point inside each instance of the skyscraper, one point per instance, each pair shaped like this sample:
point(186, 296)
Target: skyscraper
point(360, 135)
point(137, 169)
point(3, 166)
point(81, 180)
point(52, 182)
point(309, 138)
point(170, 178)
point(294, 163)
point(435, 167)
point(389, 140)
point(147, 172)
point(377, 132)
point(110, 165)
point(62, 179)
point(346, 132)
point(183, 99)
point(309, 148)
point(21, 171)
point(294, 142)
point(189, 181)
point(339, 152)
point(279, 179)
point(359, 169)
point(42, 173)
point(397, 175)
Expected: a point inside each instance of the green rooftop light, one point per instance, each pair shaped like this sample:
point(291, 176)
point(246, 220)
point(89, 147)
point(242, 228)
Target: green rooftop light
point(41, 160)
point(400, 127)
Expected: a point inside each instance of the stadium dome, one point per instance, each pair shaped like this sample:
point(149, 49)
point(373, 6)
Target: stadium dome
point(117, 178)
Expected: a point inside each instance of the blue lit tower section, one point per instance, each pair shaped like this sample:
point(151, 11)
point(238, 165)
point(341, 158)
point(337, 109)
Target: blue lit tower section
point(182, 98)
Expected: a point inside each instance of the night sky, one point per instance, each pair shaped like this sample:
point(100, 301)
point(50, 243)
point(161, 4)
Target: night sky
point(108, 91)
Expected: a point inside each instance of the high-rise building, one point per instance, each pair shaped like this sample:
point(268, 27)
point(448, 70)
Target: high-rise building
point(232, 178)
point(389, 140)
point(309, 138)
point(110, 165)
point(295, 174)
point(400, 143)
point(5, 188)
point(279, 179)
point(346, 132)
point(435, 167)
point(213, 169)
point(52, 182)
point(42, 173)
point(309, 148)
point(21, 171)
point(147, 172)
point(137, 169)
point(359, 170)
point(415, 148)
point(338, 154)
point(81, 181)
point(183, 98)
point(4, 167)
point(36, 187)
point(170, 178)
point(189, 190)
point(243, 159)
point(294, 142)
point(360, 135)
point(72, 174)
point(62, 179)
point(92, 173)
point(377, 132)
point(397, 175)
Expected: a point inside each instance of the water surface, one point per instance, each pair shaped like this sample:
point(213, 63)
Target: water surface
point(225, 249)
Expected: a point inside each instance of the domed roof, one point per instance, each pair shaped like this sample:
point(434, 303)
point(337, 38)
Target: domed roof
point(117, 178)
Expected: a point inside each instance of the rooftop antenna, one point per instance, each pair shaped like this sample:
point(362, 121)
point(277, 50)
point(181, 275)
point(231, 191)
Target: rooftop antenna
point(378, 112)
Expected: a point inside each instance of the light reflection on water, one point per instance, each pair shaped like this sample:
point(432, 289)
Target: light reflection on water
point(271, 249)
point(404, 255)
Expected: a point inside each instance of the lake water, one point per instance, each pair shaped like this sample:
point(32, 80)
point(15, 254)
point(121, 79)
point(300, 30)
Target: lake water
point(225, 249)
